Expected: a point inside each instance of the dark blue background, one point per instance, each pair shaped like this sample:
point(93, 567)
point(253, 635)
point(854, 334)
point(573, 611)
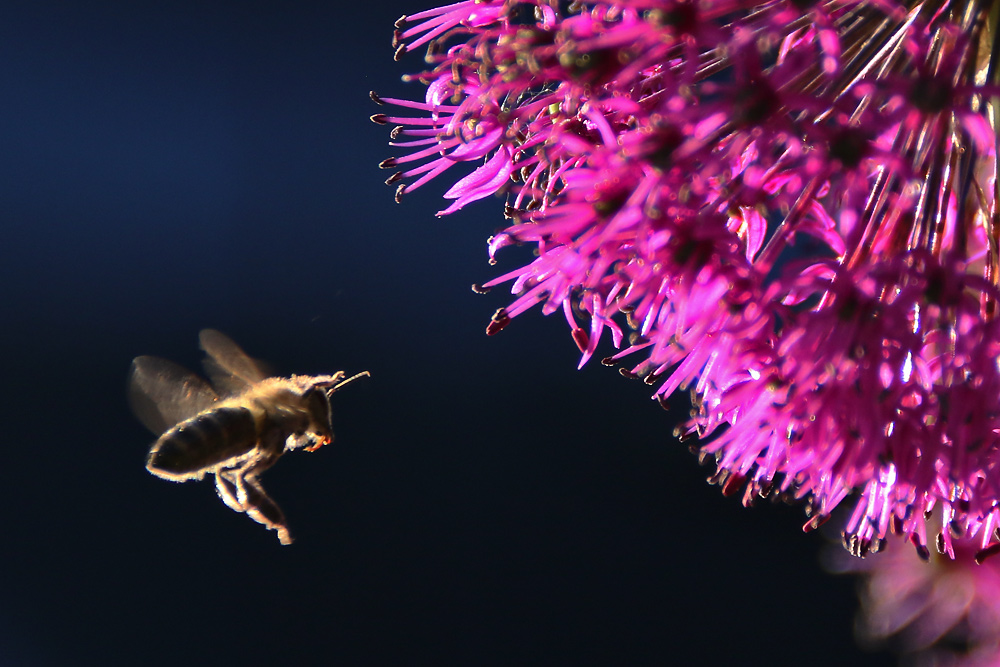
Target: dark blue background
point(167, 166)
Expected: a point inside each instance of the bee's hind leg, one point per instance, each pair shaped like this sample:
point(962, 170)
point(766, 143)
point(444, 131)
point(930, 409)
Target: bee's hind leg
point(262, 509)
point(228, 489)
point(240, 489)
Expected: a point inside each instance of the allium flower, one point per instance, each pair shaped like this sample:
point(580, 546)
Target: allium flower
point(946, 612)
point(791, 205)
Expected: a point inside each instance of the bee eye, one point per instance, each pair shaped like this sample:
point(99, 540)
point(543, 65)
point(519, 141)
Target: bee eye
point(318, 405)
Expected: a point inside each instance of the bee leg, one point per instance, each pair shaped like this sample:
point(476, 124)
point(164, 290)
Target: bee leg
point(228, 490)
point(262, 509)
point(240, 489)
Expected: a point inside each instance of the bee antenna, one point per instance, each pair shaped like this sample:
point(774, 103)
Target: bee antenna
point(362, 374)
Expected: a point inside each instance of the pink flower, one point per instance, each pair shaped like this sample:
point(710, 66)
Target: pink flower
point(787, 208)
point(941, 611)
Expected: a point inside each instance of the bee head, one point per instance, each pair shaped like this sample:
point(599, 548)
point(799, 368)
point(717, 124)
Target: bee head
point(316, 400)
point(317, 405)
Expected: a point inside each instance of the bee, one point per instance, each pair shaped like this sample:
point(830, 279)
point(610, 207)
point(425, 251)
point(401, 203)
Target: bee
point(235, 430)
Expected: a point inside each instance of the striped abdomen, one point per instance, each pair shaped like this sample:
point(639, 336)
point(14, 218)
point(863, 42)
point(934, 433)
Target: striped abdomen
point(203, 442)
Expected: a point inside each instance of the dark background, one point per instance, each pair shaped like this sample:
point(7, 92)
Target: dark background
point(168, 166)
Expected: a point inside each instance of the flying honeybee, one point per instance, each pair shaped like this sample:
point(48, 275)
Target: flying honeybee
point(237, 429)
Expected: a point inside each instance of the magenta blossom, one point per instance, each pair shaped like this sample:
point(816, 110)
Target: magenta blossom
point(945, 612)
point(788, 208)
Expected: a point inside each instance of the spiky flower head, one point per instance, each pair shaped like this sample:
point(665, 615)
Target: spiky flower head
point(787, 207)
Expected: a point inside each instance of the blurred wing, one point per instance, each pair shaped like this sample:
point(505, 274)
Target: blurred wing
point(228, 366)
point(163, 394)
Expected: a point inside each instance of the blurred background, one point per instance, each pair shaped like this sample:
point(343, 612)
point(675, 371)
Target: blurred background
point(169, 166)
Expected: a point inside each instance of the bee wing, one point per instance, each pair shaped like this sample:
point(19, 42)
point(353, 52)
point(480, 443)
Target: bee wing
point(162, 394)
point(229, 367)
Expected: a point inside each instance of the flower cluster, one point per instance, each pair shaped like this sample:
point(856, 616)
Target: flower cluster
point(787, 207)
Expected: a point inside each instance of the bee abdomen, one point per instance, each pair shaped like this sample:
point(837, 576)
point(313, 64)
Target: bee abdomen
point(202, 442)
